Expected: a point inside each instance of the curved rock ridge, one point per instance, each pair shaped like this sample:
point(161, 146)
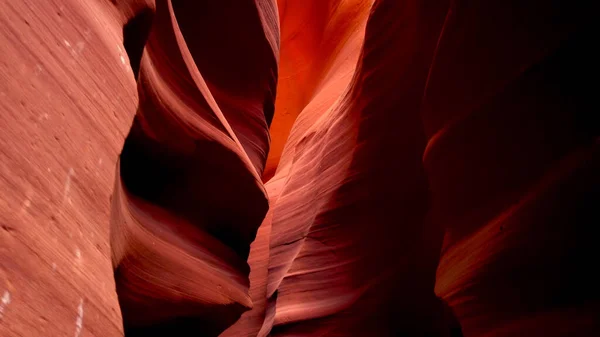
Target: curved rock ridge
point(252, 322)
point(189, 199)
point(348, 226)
point(340, 55)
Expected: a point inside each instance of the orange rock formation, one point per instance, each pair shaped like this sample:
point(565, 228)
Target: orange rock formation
point(298, 168)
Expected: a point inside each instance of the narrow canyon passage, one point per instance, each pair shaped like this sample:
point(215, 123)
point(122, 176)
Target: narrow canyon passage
point(298, 168)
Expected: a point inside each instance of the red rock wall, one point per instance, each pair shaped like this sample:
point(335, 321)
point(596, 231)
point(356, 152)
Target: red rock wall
point(67, 97)
point(432, 168)
point(464, 120)
point(69, 82)
point(348, 227)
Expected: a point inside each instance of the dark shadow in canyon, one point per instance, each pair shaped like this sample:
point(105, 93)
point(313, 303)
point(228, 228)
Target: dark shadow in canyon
point(135, 34)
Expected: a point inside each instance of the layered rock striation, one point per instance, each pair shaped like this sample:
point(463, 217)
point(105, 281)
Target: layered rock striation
point(297, 168)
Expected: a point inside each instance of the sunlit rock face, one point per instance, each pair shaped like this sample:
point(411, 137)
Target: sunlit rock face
point(298, 168)
point(67, 98)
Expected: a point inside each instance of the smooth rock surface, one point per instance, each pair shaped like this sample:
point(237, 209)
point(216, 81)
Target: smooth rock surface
point(67, 98)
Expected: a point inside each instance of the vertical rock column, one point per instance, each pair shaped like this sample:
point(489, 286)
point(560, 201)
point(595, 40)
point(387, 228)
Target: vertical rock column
point(188, 198)
point(67, 99)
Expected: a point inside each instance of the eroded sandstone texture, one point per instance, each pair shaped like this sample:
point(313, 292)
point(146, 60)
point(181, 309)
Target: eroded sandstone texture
point(189, 199)
point(298, 168)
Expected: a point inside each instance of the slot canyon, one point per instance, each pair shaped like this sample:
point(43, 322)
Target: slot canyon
point(289, 168)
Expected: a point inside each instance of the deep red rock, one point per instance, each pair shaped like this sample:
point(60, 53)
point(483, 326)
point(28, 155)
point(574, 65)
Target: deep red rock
point(511, 158)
